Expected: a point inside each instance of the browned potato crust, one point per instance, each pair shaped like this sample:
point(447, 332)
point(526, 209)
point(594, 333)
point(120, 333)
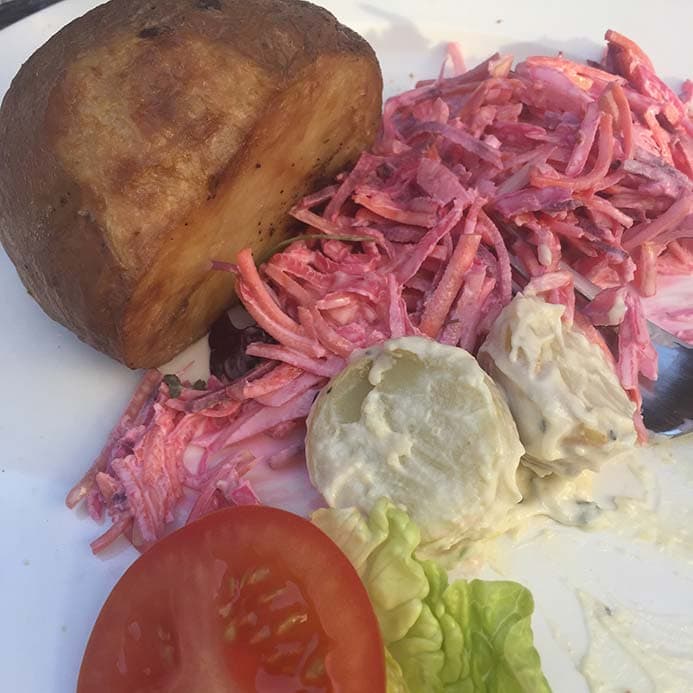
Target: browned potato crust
point(147, 138)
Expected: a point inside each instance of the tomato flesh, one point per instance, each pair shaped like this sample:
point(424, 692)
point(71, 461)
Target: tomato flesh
point(273, 631)
point(245, 599)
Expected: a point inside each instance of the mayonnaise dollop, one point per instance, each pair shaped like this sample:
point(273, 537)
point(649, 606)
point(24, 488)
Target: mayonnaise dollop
point(571, 412)
point(420, 423)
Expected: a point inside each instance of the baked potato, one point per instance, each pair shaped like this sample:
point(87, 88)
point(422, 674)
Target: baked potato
point(147, 138)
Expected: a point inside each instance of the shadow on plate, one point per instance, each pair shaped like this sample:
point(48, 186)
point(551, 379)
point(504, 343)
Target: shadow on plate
point(401, 34)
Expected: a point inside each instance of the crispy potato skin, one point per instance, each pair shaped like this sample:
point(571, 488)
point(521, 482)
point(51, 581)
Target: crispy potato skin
point(145, 139)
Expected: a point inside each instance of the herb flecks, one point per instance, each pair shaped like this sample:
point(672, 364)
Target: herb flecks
point(175, 387)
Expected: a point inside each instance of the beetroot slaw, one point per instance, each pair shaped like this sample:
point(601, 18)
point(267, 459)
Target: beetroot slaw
point(552, 161)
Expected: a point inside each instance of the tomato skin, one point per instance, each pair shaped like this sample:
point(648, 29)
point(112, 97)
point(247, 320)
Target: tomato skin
point(247, 598)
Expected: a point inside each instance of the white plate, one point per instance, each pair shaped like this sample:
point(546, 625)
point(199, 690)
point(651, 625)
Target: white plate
point(60, 398)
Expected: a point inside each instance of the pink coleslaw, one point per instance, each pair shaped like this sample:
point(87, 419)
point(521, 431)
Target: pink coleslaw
point(551, 161)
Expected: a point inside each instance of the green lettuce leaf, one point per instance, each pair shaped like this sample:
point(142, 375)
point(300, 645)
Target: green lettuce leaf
point(465, 637)
point(395, 677)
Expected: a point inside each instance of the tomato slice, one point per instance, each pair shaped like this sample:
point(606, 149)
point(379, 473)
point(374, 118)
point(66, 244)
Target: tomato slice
point(245, 599)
